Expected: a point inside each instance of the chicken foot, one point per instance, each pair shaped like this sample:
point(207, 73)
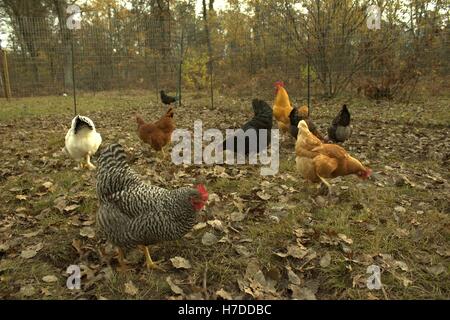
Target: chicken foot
point(121, 258)
point(89, 165)
point(327, 184)
point(149, 262)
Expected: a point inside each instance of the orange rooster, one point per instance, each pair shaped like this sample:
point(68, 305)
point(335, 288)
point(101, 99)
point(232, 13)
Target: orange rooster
point(317, 161)
point(282, 107)
point(157, 134)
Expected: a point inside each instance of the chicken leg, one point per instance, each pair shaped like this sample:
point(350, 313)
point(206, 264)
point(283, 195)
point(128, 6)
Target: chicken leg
point(89, 165)
point(121, 257)
point(148, 259)
point(327, 184)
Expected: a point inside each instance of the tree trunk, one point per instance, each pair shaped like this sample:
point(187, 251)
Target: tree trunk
point(210, 52)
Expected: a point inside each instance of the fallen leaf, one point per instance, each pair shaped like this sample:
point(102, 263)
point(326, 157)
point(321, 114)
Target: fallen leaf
point(176, 289)
point(299, 293)
point(209, 239)
point(46, 292)
point(4, 247)
point(239, 204)
point(31, 251)
point(252, 269)
point(370, 296)
point(344, 238)
point(400, 209)
point(47, 185)
point(325, 260)
point(260, 278)
point(293, 277)
point(224, 294)
point(402, 265)
point(76, 243)
point(180, 263)
point(31, 234)
point(443, 252)
point(87, 232)
point(299, 232)
point(199, 226)
point(297, 251)
point(27, 291)
point(346, 249)
point(263, 196)
point(242, 250)
point(21, 197)
point(275, 219)
point(436, 270)
point(50, 279)
point(237, 216)
point(131, 289)
point(216, 224)
point(72, 207)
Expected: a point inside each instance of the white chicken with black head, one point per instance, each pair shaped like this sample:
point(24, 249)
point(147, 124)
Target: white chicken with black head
point(82, 141)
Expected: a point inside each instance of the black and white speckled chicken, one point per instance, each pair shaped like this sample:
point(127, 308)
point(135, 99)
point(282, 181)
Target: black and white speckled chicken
point(133, 213)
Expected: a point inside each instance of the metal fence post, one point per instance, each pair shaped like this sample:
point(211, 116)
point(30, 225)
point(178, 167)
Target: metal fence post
point(180, 67)
point(6, 83)
point(309, 80)
point(73, 76)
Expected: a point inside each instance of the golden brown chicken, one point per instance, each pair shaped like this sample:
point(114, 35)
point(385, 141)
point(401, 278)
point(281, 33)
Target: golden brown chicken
point(158, 134)
point(282, 107)
point(317, 161)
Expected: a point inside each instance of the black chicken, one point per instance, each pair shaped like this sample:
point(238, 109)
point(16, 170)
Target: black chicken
point(340, 129)
point(167, 99)
point(261, 120)
point(295, 117)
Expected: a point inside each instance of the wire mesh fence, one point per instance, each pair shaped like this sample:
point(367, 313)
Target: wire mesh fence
point(244, 58)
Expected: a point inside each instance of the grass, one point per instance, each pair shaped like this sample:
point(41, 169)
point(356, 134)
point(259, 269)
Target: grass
point(410, 139)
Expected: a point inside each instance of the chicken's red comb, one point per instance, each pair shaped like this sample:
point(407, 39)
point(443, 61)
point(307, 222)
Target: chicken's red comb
point(203, 192)
point(279, 84)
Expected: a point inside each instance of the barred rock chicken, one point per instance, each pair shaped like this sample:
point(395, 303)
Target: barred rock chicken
point(261, 121)
point(282, 107)
point(317, 161)
point(82, 141)
point(340, 129)
point(133, 213)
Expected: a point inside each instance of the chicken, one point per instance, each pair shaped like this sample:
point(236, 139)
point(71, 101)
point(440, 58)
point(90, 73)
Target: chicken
point(282, 107)
point(132, 213)
point(296, 116)
point(317, 161)
point(167, 99)
point(261, 120)
point(82, 141)
point(157, 134)
point(340, 129)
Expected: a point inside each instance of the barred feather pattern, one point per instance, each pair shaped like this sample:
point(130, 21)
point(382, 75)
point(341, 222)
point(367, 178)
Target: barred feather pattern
point(133, 213)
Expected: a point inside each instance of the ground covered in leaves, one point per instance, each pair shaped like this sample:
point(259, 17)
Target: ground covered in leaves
point(259, 237)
